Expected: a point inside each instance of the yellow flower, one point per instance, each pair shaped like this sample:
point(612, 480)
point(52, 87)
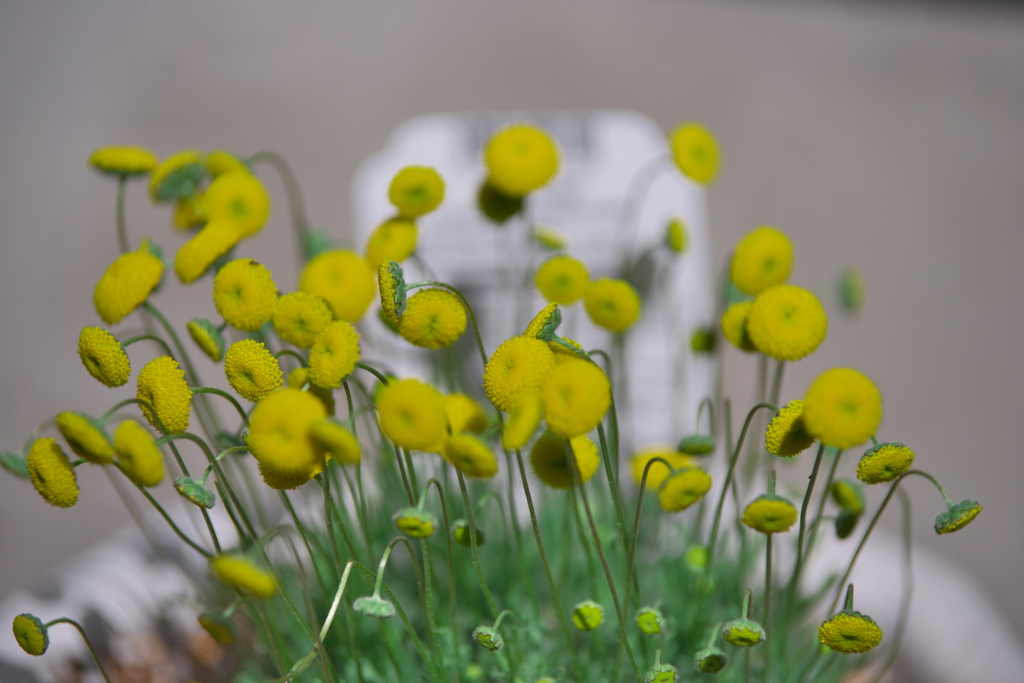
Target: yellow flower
point(612, 304)
point(433, 319)
point(842, 408)
point(336, 440)
point(103, 356)
point(123, 160)
point(658, 472)
point(587, 615)
point(787, 322)
point(695, 151)
point(743, 633)
point(545, 323)
point(342, 279)
point(464, 414)
point(415, 522)
point(957, 516)
point(416, 190)
point(188, 212)
point(787, 435)
point(280, 440)
point(520, 158)
point(51, 473)
point(138, 454)
point(562, 279)
point(177, 176)
point(676, 236)
point(127, 283)
point(762, 259)
point(218, 626)
point(251, 369)
point(550, 459)
point(244, 294)
point(519, 365)
point(412, 414)
point(237, 197)
point(207, 338)
point(334, 355)
point(734, 325)
point(683, 488)
point(161, 384)
point(238, 572)
point(770, 514)
point(196, 256)
point(391, 281)
point(470, 455)
point(850, 632)
point(576, 396)
point(221, 161)
point(299, 317)
point(884, 462)
point(299, 378)
point(650, 621)
point(85, 437)
point(393, 240)
point(523, 418)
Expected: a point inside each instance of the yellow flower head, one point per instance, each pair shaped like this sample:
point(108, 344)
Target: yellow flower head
point(683, 488)
point(787, 322)
point(842, 408)
point(126, 284)
point(650, 621)
point(415, 522)
point(587, 615)
point(334, 355)
point(412, 414)
point(957, 516)
point(470, 455)
point(207, 338)
point(464, 414)
point(545, 323)
point(787, 435)
point(576, 396)
point(550, 458)
point(238, 572)
point(85, 437)
point(103, 356)
point(342, 279)
point(237, 197)
point(336, 439)
point(188, 213)
point(218, 626)
point(221, 161)
point(299, 317)
point(123, 161)
point(884, 462)
point(31, 634)
point(520, 158)
point(433, 319)
point(251, 369)
point(161, 384)
point(196, 256)
point(391, 281)
point(523, 419)
point(770, 514)
point(299, 378)
point(677, 239)
point(743, 633)
point(734, 325)
point(416, 190)
point(280, 439)
point(550, 238)
point(519, 365)
point(848, 495)
point(51, 473)
point(695, 151)
point(612, 304)
point(138, 454)
point(244, 294)
point(762, 259)
point(562, 279)
point(850, 632)
point(393, 240)
point(177, 176)
point(658, 472)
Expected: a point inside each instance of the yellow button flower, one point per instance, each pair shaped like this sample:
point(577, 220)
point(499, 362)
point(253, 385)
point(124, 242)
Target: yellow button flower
point(957, 516)
point(677, 238)
point(545, 323)
point(850, 632)
point(207, 337)
point(787, 435)
point(391, 282)
point(161, 384)
point(177, 176)
point(734, 325)
point(770, 514)
point(334, 355)
point(433, 319)
point(470, 455)
point(299, 378)
point(238, 572)
point(563, 353)
point(762, 259)
point(244, 294)
point(412, 414)
point(587, 615)
point(237, 197)
point(280, 440)
point(562, 279)
point(884, 462)
point(576, 394)
point(51, 473)
point(416, 190)
point(188, 212)
point(523, 419)
point(787, 322)
point(85, 437)
point(393, 240)
point(138, 454)
point(464, 414)
point(31, 634)
point(842, 408)
point(550, 459)
point(342, 279)
point(695, 151)
point(658, 472)
point(196, 256)
point(612, 304)
point(336, 439)
point(683, 488)
point(299, 317)
point(103, 356)
point(127, 283)
point(123, 161)
point(520, 159)
point(519, 365)
point(252, 370)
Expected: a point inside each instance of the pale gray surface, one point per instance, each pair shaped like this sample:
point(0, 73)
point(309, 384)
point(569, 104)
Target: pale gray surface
point(892, 139)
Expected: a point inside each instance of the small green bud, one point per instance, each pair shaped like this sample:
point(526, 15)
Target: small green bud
point(218, 626)
point(195, 493)
point(14, 463)
point(488, 638)
point(650, 621)
point(415, 522)
point(676, 237)
point(461, 534)
point(587, 615)
point(851, 290)
point(495, 205)
point(849, 495)
point(710, 660)
point(703, 340)
point(846, 522)
point(31, 634)
point(550, 238)
point(957, 516)
point(662, 673)
point(374, 606)
point(181, 182)
point(696, 444)
point(743, 633)
point(697, 559)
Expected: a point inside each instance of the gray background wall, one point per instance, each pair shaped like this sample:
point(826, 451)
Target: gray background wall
point(888, 137)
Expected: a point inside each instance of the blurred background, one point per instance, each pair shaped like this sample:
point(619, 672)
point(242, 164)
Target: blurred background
point(887, 136)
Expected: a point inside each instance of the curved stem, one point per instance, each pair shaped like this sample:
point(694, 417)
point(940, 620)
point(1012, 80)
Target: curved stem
point(81, 632)
point(706, 401)
point(293, 354)
point(380, 378)
point(636, 526)
point(223, 394)
point(150, 337)
point(294, 194)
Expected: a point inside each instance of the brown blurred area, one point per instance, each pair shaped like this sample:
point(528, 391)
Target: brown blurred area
point(891, 138)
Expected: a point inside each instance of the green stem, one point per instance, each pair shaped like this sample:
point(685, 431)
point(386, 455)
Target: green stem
point(150, 337)
point(794, 579)
point(304, 535)
point(373, 371)
point(223, 394)
point(294, 194)
point(451, 571)
point(473, 545)
point(821, 503)
point(122, 228)
point(293, 354)
point(768, 601)
point(81, 631)
point(613, 486)
point(706, 401)
point(908, 591)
